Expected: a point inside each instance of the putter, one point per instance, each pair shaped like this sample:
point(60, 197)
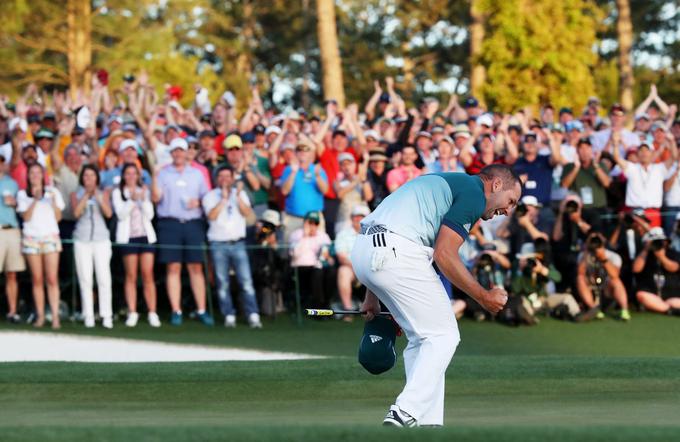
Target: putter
point(330, 312)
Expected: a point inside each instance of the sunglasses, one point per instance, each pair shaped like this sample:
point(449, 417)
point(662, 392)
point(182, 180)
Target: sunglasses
point(233, 148)
point(302, 149)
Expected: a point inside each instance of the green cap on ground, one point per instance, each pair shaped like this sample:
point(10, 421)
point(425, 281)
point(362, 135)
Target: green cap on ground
point(376, 348)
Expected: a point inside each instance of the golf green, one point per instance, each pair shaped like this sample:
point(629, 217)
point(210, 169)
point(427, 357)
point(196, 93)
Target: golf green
point(599, 381)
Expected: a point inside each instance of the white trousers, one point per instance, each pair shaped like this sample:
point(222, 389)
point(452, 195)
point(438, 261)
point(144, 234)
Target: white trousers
point(401, 275)
point(94, 257)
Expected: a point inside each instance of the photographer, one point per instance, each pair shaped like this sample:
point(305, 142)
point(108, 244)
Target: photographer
point(626, 240)
point(656, 267)
point(598, 276)
point(531, 285)
point(568, 235)
point(489, 270)
point(521, 227)
point(269, 263)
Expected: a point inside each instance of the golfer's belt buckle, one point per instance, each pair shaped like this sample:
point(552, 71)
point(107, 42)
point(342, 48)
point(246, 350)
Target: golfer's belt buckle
point(373, 228)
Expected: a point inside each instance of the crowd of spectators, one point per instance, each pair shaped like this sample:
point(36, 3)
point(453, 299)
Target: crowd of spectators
point(135, 178)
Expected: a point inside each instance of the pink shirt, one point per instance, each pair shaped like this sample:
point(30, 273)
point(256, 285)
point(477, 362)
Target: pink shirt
point(401, 175)
point(204, 171)
point(306, 249)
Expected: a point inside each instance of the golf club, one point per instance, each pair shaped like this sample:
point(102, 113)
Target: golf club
point(330, 312)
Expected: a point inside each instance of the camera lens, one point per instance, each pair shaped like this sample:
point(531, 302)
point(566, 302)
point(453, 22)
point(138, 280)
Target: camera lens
point(521, 209)
point(571, 207)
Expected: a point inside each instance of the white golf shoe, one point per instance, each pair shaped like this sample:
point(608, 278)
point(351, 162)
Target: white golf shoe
point(230, 321)
point(397, 418)
point(254, 320)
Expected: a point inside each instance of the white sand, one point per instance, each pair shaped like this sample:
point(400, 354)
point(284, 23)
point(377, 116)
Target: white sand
point(35, 346)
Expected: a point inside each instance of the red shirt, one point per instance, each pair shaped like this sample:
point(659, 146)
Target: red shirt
point(330, 164)
point(219, 139)
point(477, 164)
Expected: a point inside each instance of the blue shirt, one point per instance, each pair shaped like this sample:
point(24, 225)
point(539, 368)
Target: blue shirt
point(305, 196)
point(177, 189)
point(417, 209)
point(539, 177)
point(8, 215)
point(111, 177)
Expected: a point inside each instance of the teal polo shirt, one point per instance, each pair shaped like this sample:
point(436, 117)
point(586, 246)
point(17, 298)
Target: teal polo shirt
point(8, 215)
point(417, 209)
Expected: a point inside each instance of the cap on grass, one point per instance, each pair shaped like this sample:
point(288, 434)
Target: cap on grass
point(376, 348)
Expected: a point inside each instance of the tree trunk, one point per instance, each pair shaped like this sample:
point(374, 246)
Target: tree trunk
point(477, 71)
point(79, 51)
point(331, 65)
point(624, 33)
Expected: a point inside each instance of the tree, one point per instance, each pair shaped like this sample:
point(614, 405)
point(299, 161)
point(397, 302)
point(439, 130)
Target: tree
point(624, 31)
point(331, 64)
point(477, 25)
point(539, 52)
point(79, 44)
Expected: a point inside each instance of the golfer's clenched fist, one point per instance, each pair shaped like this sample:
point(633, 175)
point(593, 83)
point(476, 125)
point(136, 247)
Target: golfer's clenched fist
point(494, 300)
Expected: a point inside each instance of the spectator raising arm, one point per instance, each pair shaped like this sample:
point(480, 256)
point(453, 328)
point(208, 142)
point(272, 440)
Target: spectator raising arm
point(319, 136)
point(373, 101)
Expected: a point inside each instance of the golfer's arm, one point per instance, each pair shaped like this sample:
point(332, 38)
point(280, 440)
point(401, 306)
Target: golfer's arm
point(449, 263)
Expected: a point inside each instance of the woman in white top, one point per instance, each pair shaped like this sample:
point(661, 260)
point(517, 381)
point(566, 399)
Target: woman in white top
point(40, 207)
point(133, 207)
point(92, 245)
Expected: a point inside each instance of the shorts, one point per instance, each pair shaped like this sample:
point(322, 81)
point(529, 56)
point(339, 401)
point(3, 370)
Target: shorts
point(41, 245)
point(11, 259)
point(181, 241)
point(137, 246)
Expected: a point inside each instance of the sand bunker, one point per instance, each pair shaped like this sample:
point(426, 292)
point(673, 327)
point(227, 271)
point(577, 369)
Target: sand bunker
point(17, 346)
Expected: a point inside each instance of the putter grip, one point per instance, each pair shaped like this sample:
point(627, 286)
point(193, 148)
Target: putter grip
point(319, 312)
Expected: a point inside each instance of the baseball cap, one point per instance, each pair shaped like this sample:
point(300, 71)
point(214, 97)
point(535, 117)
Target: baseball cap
point(305, 145)
point(470, 102)
point(593, 100)
point(644, 116)
point(294, 115)
point(248, 137)
point(339, 132)
point(437, 130)
point(425, 134)
point(584, 140)
point(485, 120)
point(530, 200)
point(461, 130)
point(574, 125)
point(384, 97)
point(179, 143)
point(49, 115)
point(446, 139)
point(44, 133)
point(206, 133)
point(272, 130)
point(557, 127)
point(232, 141)
point(527, 250)
point(287, 146)
point(566, 110)
point(372, 134)
point(272, 217)
point(18, 123)
point(361, 210)
point(653, 234)
point(128, 142)
point(529, 135)
point(658, 125)
point(33, 118)
point(259, 129)
point(345, 156)
point(377, 156)
point(617, 108)
point(376, 348)
point(313, 216)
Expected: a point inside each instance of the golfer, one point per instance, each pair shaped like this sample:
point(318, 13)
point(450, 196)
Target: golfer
point(428, 218)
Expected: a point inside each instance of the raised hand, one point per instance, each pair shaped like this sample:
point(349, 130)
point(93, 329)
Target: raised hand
point(494, 300)
point(376, 86)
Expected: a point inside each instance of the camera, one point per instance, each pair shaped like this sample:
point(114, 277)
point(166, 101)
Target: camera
point(264, 231)
point(485, 262)
point(571, 206)
point(628, 220)
point(529, 267)
point(521, 210)
point(593, 243)
point(657, 245)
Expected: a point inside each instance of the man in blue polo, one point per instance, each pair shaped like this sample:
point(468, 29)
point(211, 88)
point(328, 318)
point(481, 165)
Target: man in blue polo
point(304, 184)
point(177, 189)
point(427, 220)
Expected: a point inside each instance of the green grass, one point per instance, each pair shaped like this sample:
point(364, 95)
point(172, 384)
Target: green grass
point(557, 381)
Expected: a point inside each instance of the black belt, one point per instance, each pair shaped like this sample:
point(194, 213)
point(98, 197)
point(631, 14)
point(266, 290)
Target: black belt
point(181, 221)
point(7, 227)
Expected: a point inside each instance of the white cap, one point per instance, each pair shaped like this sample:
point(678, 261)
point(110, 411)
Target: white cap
point(372, 134)
point(178, 143)
point(128, 142)
point(528, 250)
point(485, 120)
point(293, 115)
point(19, 123)
point(530, 200)
point(272, 217)
point(272, 130)
point(361, 210)
point(653, 234)
point(83, 117)
point(345, 156)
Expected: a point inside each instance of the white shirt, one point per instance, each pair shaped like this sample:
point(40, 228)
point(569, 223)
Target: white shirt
point(672, 197)
point(230, 224)
point(645, 186)
point(43, 221)
point(600, 139)
point(162, 153)
point(569, 154)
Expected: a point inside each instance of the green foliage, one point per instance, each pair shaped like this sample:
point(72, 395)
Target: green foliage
point(539, 52)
